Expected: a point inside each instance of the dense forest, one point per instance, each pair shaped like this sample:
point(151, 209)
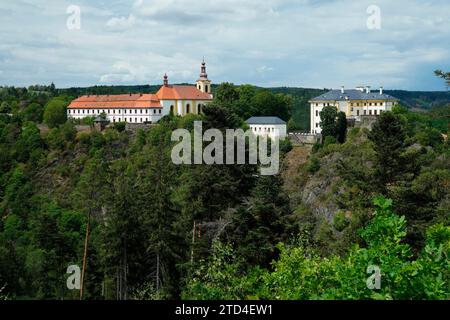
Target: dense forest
point(363, 199)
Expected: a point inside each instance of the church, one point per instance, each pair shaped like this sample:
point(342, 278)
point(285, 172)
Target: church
point(146, 108)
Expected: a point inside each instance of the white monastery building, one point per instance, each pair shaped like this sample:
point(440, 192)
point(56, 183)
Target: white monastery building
point(267, 126)
point(146, 108)
point(356, 103)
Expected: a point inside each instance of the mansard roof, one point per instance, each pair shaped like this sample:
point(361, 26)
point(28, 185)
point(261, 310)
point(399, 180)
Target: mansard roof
point(352, 94)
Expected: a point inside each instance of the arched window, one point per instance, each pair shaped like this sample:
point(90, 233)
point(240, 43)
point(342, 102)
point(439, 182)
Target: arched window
point(206, 88)
point(199, 108)
point(188, 108)
point(171, 109)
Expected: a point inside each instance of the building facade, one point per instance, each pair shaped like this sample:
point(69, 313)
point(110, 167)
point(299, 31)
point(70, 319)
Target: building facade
point(355, 103)
point(146, 108)
point(267, 126)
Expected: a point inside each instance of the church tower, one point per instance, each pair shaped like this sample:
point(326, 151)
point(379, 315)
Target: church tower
point(203, 83)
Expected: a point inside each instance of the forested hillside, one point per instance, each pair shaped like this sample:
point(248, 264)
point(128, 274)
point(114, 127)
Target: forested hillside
point(160, 231)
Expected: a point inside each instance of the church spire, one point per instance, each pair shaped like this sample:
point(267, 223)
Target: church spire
point(166, 80)
point(203, 74)
point(203, 83)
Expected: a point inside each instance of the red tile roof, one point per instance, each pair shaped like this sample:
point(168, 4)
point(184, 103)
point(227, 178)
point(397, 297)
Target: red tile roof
point(169, 92)
point(116, 101)
point(173, 92)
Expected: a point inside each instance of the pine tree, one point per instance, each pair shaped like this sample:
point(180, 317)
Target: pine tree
point(388, 137)
point(341, 127)
point(328, 121)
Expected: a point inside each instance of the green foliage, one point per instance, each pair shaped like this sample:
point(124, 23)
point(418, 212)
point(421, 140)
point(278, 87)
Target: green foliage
point(333, 124)
point(246, 101)
point(340, 221)
point(341, 127)
point(55, 112)
point(120, 126)
point(143, 208)
point(443, 75)
point(313, 165)
point(300, 273)
point(33, 112)
point(328, 121)
point(388, 137)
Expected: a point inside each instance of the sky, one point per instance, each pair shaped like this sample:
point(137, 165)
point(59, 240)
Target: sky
point(296, 43)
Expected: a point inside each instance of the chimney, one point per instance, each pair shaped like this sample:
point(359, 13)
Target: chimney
point(342, 90)
point(381, 90)
point(367, 89)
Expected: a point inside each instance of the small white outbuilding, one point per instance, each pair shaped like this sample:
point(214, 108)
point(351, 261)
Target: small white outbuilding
point(267, 126)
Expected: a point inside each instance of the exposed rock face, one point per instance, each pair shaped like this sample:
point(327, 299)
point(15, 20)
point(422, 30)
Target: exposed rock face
point(319, 192)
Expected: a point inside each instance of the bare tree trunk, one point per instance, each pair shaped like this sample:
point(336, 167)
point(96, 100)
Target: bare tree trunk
point(86, 241)
point(125, 271)
point(193, 241)
point(157, 273)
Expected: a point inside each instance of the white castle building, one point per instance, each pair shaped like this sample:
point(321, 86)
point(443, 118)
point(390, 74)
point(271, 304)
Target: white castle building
point(356, 103)
point(146, 108)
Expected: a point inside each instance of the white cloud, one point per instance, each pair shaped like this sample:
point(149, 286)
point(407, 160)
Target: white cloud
point(122, 22)
point(322, 43)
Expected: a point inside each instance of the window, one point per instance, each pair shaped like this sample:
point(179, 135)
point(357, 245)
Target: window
point(154, 111)
point(135, 120)
point(146, 110)
point(159, 111)
point(206, 88)
point(375, 112)
point(199, 108)
point(171, 109)
point(114, 120)
point(188, 108)
point(135, 112)
point(357, 112)
point(365, 112)
point(125, 111)
point(370, 112)
point(317, 113)
point(131, 119)
point(317, 124)
point(141, 119)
